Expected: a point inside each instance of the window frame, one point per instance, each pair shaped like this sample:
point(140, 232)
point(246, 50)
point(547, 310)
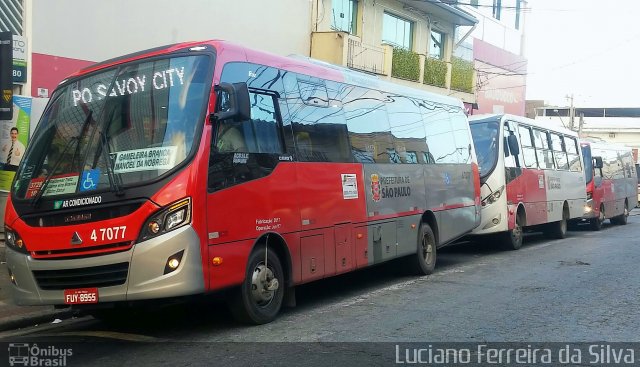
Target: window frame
point(353, 22)
point(440, 55)
point(398, 18)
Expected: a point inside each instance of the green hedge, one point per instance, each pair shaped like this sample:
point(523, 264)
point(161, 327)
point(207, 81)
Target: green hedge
point(435, 72)
point(461, 75)
point(405, 65)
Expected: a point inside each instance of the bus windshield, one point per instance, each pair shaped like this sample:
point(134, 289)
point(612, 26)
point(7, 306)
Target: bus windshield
point(116, 128)
point(588, 163)
point(485, 138)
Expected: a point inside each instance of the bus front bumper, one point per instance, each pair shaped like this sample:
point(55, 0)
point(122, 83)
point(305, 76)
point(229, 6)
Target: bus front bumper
point(145, 275)
point(589, 211)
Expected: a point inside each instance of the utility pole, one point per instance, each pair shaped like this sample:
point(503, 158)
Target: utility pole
point(572, 112)
point(580, 124)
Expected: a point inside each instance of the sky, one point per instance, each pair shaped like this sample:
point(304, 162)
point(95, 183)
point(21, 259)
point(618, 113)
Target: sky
point(586, 48)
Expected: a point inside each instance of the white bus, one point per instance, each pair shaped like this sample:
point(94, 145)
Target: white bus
point(531, 175)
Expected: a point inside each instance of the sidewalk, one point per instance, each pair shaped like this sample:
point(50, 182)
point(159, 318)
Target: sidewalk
point(15, 317)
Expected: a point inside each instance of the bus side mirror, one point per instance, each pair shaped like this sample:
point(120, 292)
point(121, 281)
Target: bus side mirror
point(597, 162)
point(513, 145)
point(238, 105)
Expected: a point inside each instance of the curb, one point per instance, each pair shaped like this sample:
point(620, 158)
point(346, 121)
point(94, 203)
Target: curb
point(43, 317)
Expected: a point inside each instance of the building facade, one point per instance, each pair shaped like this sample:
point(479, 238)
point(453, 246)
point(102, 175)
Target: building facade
point(609, 124)
point(499, 55)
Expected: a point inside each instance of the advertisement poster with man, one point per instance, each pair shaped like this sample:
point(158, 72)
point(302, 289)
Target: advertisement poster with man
point(14, 136)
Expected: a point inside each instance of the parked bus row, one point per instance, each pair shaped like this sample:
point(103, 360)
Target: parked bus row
point(207, 167)
point(534, 176)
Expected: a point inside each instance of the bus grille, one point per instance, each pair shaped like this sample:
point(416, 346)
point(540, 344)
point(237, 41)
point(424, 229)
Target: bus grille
point(96, 276)
point(81, 252)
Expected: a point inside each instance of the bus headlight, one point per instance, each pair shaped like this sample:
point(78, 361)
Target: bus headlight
point(171, 217)
point(493, 197)
point(13, 241)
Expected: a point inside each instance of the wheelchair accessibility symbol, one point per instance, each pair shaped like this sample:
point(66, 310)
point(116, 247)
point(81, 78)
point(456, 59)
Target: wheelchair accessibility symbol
point(90, 180)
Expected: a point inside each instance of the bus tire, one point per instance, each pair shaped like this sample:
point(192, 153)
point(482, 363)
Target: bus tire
point(259, 299)
point(558, 230)
point(424, 261)
point(512, 239)
point(622, 219)
point(596, 223)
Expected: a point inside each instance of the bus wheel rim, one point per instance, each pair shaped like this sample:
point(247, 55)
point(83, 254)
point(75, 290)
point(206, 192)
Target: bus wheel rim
point(427, 249)
point(263, 285)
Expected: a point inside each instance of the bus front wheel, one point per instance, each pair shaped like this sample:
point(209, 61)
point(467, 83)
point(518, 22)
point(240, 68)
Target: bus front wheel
point(596, 223)
point(512, 239)
point(259, 299)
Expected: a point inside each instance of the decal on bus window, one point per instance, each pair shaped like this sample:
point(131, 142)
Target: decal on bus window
point(90, 179)
point(349, 186)
point(144, 159)
point(90, 200)
point(58, 185)
point(240, 158)
point(139, 83)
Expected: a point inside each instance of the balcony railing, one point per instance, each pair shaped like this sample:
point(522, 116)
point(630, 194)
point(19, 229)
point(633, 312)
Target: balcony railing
point(410, 68)
point(364, 57)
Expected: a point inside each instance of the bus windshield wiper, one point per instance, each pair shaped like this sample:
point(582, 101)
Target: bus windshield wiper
point(106, 153)
point(38, 196)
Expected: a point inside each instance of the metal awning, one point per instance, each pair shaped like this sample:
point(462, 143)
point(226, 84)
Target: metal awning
point(443, 11)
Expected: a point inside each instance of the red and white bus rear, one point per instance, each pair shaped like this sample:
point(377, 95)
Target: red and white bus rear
point(531, 176)
point(611, 183)
point(207, 166)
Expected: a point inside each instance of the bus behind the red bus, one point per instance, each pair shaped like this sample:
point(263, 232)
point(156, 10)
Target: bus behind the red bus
point(206, 166)
point(611, 183)
point(531, 176)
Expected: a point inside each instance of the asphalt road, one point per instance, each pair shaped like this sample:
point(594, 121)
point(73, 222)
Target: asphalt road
point(583, 288)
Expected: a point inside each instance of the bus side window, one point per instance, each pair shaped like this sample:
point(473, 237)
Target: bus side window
point(543, 151)
point(368, 124)
point(318, 121)
point(559, 153)
point(510, 159)
point(528, 150)
point(571, 146)
point(260, 134)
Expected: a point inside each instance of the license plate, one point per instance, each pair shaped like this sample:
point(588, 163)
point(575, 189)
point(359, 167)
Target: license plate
point(80, 296)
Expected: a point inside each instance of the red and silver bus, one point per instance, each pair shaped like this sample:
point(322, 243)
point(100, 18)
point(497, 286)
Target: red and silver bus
point(612, 184)
point(531, 176)
point(207, 166)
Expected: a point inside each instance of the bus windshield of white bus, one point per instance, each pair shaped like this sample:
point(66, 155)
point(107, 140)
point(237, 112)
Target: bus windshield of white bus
point(485, 138)
point(115, 128)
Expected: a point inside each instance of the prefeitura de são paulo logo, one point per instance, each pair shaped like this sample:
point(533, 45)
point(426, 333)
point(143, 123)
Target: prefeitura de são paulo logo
point(375, 187)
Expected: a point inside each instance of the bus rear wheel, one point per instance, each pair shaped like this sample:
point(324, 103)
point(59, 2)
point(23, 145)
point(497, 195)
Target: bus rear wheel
point(596, 223)
point(558, 229)
point(424, 261)
point(259, 299)
point(622, 219)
